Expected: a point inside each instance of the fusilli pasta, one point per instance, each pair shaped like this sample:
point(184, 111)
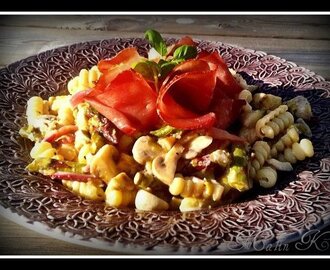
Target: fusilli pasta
point(85, 80)
point(261, 152)
point(89, 190)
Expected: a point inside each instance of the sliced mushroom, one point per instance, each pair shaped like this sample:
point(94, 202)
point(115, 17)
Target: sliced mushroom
point(164, 166)
point(187, 137)
point(103, 163)
point(196, 146)
point(146, 149)
point(147, 201)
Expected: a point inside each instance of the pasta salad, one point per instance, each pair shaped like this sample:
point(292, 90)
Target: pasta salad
point(177, 129)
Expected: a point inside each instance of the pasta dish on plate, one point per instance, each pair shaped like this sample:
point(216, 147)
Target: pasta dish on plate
point(175, 129)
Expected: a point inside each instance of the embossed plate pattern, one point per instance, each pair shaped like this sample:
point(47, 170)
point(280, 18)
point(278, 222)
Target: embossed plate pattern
point(300, 201)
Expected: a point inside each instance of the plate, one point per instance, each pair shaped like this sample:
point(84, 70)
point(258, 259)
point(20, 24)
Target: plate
point(300, 201)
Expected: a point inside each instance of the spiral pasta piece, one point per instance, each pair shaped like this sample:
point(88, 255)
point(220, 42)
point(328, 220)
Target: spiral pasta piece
point(299, 151)
point(91, 190)
point(67, 151)
point(65, 116)
point(275, 126)
point(85, 153)
point(192, 204)
point(266, 101)
point(43, 150)
point(120, 191)
point(267, 177)
point(86, 79)
point(196, 188)
point(287, 140)
point(245, 95)
point(268, 117)
point(61, 106)
point(261, 152)
point(249, 119)
point(35, 107)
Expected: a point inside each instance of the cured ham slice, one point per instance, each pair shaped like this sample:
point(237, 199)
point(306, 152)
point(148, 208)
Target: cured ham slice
point(127, 101)
point(199, 93)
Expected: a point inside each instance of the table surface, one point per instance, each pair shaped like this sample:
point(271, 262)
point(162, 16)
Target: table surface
point(304, 40)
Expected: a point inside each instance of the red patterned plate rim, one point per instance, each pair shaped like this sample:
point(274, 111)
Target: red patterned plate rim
point(299, 203)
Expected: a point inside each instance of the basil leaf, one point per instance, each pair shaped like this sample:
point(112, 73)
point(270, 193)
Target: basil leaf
point(185, 52)
point(148, 69)
point(167, 66)
point(156, 41)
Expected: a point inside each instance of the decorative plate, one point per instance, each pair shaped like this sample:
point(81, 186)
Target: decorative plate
point(299, 203)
